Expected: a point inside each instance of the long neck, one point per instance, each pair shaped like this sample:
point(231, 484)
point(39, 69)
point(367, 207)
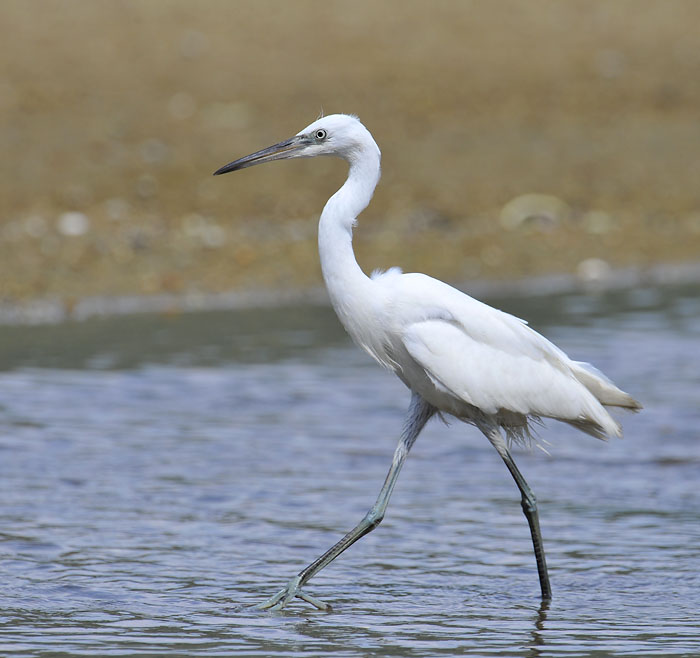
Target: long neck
point(344, 278)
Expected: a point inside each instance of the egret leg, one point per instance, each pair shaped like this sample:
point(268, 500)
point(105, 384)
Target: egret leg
point(529, 505)
point(419, 414)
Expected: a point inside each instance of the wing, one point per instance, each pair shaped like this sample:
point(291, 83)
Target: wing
point(487, 377)
point(487, 358)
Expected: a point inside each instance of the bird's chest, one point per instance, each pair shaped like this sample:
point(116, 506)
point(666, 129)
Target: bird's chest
point(365, 322)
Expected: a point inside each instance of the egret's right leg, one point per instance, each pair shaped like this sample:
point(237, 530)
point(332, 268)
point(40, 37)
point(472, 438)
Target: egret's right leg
point(419, 414)
point(529, 505)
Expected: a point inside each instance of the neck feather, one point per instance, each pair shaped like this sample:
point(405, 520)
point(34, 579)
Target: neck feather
point(343, 276)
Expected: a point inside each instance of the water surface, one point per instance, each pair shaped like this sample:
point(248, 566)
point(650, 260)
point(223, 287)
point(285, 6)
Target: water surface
point(161, 474)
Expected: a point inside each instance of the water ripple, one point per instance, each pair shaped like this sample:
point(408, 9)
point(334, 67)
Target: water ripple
point(145, 510)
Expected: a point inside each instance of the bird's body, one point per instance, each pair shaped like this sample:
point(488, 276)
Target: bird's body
point(457, 355)
point(474, 362)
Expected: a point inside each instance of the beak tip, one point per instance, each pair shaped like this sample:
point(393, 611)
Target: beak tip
point(223, 170)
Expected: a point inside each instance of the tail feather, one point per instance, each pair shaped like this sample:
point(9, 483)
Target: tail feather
point(596, 429)
point(602, 388)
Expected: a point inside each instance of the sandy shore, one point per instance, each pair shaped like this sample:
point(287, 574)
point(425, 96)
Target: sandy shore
point(519, 139)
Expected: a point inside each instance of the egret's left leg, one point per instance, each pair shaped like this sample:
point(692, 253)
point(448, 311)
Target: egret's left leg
point(529, 505)
point(419, 414)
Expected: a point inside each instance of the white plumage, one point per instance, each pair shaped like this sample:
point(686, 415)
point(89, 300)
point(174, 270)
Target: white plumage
point(476, 362)
point(457, 355)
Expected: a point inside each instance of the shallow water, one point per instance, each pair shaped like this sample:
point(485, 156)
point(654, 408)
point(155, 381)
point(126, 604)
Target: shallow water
point(161, 474)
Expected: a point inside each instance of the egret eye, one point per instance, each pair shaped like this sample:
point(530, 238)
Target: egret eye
point(320, 134)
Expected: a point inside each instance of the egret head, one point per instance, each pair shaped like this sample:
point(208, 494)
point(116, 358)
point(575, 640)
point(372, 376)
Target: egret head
point(341, 135)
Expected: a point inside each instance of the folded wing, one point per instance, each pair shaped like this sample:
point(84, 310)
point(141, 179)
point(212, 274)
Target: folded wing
point(495, 362)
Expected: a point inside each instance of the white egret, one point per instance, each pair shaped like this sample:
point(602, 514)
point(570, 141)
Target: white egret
point(457, 355)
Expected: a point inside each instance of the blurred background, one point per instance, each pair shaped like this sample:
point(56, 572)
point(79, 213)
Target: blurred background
point(518, 138)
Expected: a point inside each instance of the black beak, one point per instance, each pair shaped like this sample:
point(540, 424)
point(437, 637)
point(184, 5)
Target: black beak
point(288, 149)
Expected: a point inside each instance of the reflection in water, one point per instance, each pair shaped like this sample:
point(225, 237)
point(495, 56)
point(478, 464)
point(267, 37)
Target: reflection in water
point(537, 632)
point(161, 475)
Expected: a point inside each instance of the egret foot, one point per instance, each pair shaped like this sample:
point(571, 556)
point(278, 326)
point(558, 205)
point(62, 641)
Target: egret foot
point(291, 591)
